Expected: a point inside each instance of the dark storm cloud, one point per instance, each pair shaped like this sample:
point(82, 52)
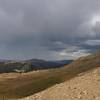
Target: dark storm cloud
point(48, 28)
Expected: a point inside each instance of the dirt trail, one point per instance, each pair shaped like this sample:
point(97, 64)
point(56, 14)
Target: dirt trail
point(85, 86)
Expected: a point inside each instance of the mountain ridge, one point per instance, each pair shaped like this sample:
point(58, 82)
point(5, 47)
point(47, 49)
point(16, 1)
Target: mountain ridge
point(85, 86)
point(7, 66)
point(28, 84)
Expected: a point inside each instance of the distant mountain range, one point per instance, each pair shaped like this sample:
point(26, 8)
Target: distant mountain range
point(42, 64)
point(30, 65)
point(4, 60)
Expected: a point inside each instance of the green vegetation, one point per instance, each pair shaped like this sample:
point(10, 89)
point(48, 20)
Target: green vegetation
point(15, 67)
point(25, 85)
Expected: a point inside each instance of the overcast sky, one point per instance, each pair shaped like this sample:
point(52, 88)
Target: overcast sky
point(49, 29)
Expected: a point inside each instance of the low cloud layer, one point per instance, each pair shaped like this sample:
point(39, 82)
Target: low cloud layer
point(49, 29)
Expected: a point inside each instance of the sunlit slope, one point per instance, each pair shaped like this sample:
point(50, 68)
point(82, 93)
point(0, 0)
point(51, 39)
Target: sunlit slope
point(86, 86)
point(27, 84)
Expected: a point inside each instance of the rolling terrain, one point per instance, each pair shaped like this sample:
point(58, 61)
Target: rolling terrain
point(16, 85)
point(86, 86)
point(7, 66)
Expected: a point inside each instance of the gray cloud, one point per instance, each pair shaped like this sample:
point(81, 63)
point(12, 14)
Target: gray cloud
point(93, 42)
point(46, 28)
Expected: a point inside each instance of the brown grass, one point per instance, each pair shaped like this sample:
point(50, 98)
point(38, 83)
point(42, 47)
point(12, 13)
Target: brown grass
point(22, 85)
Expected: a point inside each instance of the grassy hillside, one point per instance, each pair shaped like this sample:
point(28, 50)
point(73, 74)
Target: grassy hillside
point(23, 85)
